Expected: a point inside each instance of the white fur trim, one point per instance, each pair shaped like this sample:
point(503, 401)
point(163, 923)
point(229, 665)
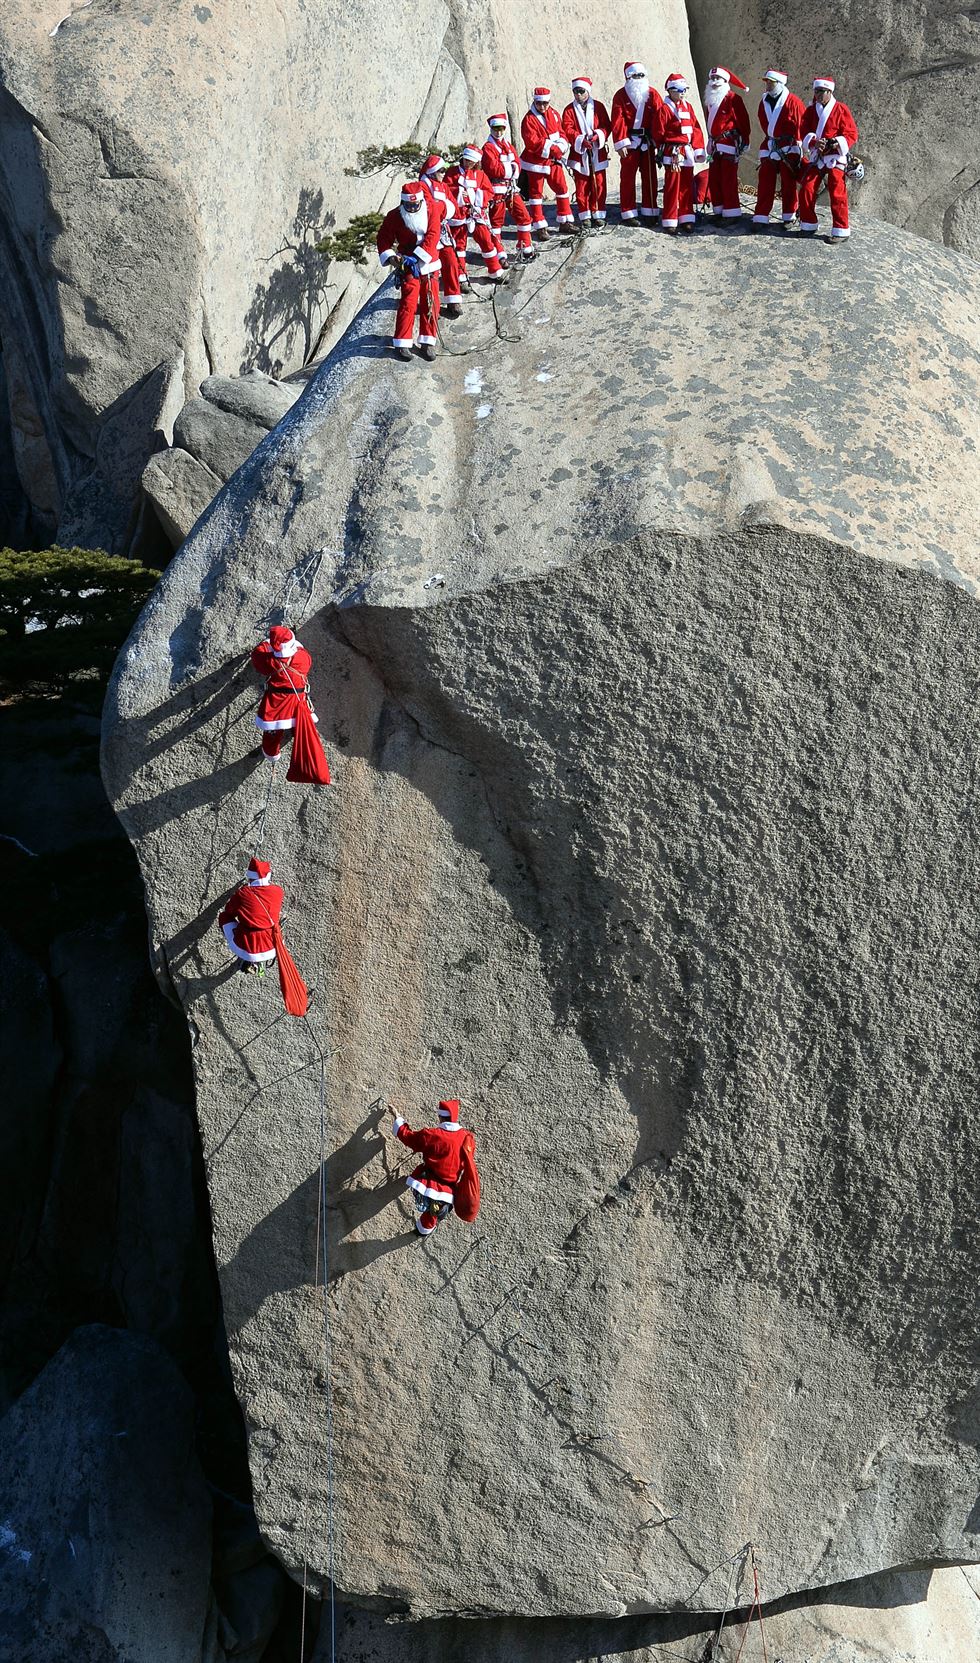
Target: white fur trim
point(228, 931)
point(275, 727)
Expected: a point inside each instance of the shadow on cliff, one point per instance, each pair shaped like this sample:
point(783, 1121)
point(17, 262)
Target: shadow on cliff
point(267, 1261)
point(285, 318)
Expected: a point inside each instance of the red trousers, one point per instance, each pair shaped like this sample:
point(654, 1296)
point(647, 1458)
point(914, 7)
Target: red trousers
point(723, 180)
point(678, 197)
point(769, 172)
point(419, 294)
point(555, 179)
point(590, 195)
point(449, 261)
point(272, 740)
point(810, 181)
point(516, 207)
point(631, 163)
point(483, 237)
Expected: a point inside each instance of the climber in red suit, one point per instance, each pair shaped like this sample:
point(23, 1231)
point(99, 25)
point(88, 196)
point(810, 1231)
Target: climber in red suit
point(636, 132)
point(285, 665)
point(829, 131)
point(729, 131)
point(542, 158)
point(409, 240)
point(446, 1179)
point(502, 167)
point(683, 147)
point(248, 920)
point(586, 125)
point(781, 118)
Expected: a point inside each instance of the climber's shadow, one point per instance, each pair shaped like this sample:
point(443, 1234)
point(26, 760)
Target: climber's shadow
point(279, 1253)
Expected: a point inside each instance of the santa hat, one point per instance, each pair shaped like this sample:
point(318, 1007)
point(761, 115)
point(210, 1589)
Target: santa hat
point(719, 73)
point(676, 82)
point(581, 81)
point(449, 1109)
point(282, 641)
point(412, 191)
point(824, 81)
point(259, 872)
point(471, 153)
point(637, 68)
point(776, 75)
point(432, 165)
point(496, 121)
point(543, 94)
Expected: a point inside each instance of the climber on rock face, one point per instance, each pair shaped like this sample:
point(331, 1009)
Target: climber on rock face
point(683, 144)
point(446, 1179)
point(285, 706)
point(251, 922)
point(729, 131)
point(502, 167)
point(829, 131)
point(441, 199)
point(545, 150)
point(474, 198)
point(781, 118)
point(409, 241)
point(586, 125)
point(636, 132)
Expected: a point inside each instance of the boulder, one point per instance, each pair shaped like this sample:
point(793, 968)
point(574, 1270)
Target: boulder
point(907, 74)
point(180, 489)
point(645, 662)
point(106, 1519)
point(255, 397)
point(165, 176)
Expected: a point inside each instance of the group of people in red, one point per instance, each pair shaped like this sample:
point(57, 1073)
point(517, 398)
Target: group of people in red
point(425, 238)
point(446, 1179)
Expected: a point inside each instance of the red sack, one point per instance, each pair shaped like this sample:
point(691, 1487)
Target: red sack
point(466, 1190)
point(308, 762)
point(291, 984)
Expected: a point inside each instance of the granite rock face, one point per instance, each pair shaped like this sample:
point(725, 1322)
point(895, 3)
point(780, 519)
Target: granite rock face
point(166, 170)
point(908, 72)
point(645, 663)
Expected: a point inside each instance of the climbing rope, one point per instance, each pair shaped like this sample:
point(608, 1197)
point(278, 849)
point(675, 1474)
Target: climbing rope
point(499, 333)
point(756, 1607)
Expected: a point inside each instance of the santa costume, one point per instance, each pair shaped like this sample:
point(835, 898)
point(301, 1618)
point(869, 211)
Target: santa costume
point(284, 707)
point(474, 194)
point(829, 131)
point(501, 164)
point(781, 119)
point(409, 239)
point(447, 1178)
point(683, 142)
point(729, 131)
point(250, 924)
point(636, 132)
point(545, 149)
point(587, 126)
point(440, 198)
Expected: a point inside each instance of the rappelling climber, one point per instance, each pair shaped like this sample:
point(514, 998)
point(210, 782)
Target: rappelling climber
point(729, 131)
point(408, 241)
point(636, 133)
point(829, 131)
point(683, 147)
point(285, 706)
point(250, 922)
point(440, 198)
point(447, 1179)
point(474, 196)
point(587, 126)
point(781, 156)
point(545, 149)
point(502, 167)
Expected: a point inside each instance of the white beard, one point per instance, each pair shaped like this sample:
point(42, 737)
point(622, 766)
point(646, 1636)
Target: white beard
point(417, 221)
point(638, 91)
point(714, 95)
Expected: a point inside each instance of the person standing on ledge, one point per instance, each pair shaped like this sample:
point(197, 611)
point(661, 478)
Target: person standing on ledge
point(637, 115)
point(683, 143)
point(729, 131)
point(545, 149)
point(474, 197)
point(781, 118)
point(502, 167)
point(829, 131)
point(438, 196)
point(408, 240)
point(446, 1179)
point(586, 125)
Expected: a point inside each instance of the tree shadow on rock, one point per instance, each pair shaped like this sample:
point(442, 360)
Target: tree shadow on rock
point(284, 320)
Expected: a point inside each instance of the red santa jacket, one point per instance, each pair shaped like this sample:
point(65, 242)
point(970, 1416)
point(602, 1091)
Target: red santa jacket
point(682, 138)
point(578, 121)
point(781, 124)
point(473, 192)
point(447, 1172)
point(501, 165)
point(285, 680)
point(253, 909)
point(437, 193)
point(398, 238)
point(728, 123)
point(832, 121)
point(545, 145)
point(636, 129)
